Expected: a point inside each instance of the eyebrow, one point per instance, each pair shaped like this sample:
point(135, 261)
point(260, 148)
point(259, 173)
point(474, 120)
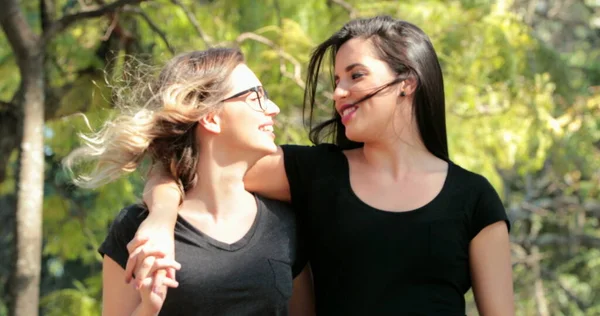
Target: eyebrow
point(349, 68)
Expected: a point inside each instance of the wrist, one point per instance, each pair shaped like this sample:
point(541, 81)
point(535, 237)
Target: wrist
point(145, 310)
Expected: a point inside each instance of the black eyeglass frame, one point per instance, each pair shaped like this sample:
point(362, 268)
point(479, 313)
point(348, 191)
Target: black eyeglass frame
point(256, 90)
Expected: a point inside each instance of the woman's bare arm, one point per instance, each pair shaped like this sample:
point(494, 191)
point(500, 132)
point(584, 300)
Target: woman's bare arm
point(119, 298)
point(491, 271)
point(267, 178)
point(302, 302)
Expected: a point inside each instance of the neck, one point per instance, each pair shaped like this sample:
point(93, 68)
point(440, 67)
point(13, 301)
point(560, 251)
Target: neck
point(220, 187)
point(400, 152)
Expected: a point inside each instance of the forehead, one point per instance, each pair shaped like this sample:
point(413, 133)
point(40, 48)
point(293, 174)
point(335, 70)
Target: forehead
point(243, 78)
point(357, 50)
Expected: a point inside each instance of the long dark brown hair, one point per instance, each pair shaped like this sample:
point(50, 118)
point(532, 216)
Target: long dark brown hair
point(408, 51)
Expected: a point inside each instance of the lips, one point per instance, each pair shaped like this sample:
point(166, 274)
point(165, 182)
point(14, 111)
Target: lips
point(347, 111)
point(267, 128)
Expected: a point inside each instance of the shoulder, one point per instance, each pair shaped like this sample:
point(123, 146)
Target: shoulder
point(470, 182)
point(280, 209)
point(129, 218)
point(312, 151)
point(486, 206)
point(122, 230)
point(309, 159)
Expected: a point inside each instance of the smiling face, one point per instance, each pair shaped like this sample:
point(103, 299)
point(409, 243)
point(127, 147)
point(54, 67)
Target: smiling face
point(246, 119)
point(359, 73)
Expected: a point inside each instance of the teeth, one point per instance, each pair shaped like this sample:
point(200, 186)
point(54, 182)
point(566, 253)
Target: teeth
point(267, 128)
point(348, 110)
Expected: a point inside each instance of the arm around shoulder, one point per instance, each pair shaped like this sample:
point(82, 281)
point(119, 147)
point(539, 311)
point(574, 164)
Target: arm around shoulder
point(268, 177)
point(286, 174)
point(161, 194)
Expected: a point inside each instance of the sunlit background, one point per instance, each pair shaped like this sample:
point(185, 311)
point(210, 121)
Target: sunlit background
point(523, 108)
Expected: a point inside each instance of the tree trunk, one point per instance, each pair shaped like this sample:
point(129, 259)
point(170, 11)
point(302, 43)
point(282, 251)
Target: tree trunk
point(27, 107)
point(28, 237)
point(25, 278)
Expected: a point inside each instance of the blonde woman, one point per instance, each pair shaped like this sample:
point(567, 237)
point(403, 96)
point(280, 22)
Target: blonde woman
point(206, 120)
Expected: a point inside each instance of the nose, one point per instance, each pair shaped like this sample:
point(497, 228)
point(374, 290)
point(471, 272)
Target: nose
point(272, 108)
point(340, 92)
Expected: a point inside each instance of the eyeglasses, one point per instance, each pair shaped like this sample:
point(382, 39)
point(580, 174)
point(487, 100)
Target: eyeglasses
point(262, 97)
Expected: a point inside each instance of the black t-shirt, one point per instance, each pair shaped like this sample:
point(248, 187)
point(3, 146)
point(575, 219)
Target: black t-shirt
point(252, 276)
point(367, 261)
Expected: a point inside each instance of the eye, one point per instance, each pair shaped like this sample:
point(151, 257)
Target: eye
point(357, 75)
point(253, 96)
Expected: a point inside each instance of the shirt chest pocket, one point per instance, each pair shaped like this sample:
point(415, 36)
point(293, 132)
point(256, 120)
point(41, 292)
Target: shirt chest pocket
point(282, 277)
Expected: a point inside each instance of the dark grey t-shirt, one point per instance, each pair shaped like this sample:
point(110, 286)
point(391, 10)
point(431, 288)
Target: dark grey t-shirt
point(252, 276)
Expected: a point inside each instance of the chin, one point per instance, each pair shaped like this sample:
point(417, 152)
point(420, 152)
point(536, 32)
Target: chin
point(355, 135)
point(265, 148)
point(271, 149)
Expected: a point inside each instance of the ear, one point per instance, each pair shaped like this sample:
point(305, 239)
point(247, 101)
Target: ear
point(408, 86)
point(211, 123)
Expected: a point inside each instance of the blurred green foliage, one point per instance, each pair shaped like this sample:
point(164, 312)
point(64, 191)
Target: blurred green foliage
point(521, 109)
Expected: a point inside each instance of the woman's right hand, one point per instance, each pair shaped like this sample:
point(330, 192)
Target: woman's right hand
point(154, 297)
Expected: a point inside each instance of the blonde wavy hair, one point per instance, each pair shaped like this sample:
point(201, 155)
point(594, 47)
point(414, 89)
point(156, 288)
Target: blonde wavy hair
point(158, 119)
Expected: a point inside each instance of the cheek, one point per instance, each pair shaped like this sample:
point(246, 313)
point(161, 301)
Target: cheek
point(245, 128)
point(382, 107)
point(242, 128)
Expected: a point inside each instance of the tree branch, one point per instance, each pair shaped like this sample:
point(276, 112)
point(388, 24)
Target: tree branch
point(21, 37)
point(68, 20)
point(551, 275)
point(348, 7)
point(592, 209)
point(5, 106)
point(205, 38)
point(153, 26)
point(296, 76)
point(113, 24)
point(46, 13)
point(559, 240)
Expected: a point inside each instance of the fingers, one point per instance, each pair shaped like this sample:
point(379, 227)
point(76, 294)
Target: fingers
point(154, 297)
point(129, 267)
point(133, 247)
point(136, 261)
point(151, 264)
point(170, 283)
point(161, 264)
point(159, 277)
point(144, 270)
point(171, 273)
point(136, 242)
point(148, 285)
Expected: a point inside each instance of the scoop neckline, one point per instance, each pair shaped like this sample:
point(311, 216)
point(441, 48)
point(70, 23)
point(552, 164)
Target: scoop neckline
point(235, 246)
point(412, 212)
